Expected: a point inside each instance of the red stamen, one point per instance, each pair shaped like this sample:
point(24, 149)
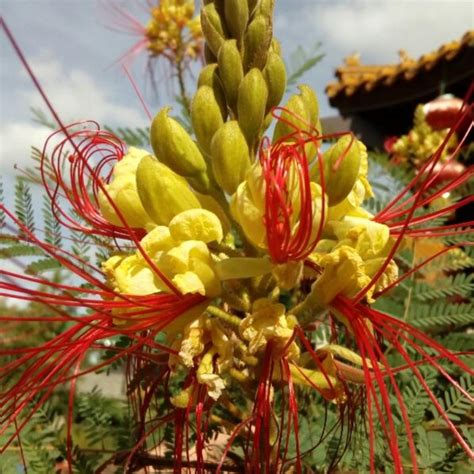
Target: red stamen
point(290, 232)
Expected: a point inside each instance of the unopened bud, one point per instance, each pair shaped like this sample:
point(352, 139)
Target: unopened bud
point(174, 147)
point(122, 192)
point(209, 56)
point(275, 77)
point(252, 4)
point(237, 17)
point(253, 95)
point(257, 42)
point(162, 192)
point(209, 77)
point(206, 116)
point(301, 114)
point(212, 27)
point(230, 156)
point(311, 104)
point(342, 167)
point(265, 8)
point(294, 117)
point(230, 71)
point(276, 47)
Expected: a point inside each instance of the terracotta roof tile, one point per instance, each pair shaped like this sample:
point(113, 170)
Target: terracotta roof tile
point(354, 76)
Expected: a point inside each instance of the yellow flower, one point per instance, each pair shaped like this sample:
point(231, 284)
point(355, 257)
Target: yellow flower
point(369, 238)
point(269, 322)
point(200, 334)
point(122, 189)
point(343, 273)
point(188, 263)
point(248, 206)
point(166, 31)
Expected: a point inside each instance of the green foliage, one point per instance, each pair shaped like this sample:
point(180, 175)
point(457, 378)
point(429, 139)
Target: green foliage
point(52, 228)
point(138, 137)
point(436, 317)
point(302, 61)
point(2, 212)
point(455, 403)
point(24, 206)
point(453, 285)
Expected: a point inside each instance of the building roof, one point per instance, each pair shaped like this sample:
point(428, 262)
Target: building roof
point(356, 79)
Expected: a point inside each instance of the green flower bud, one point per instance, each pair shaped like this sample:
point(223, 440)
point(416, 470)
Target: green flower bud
point(265, 8)
point(275, 77)
point(253, 95)
point(304, 116)
point(257, 42)
point(237, 17)
point(342, 164)
point(230, 156)
point(174, 147)
point(162, 192)
point(206, 116)
point(311, 104)
point(212, 27)
point(209, 56)
point(200, 182)
point(122, 190)
point(230, 71)
point(276, 47)
point(297, 116)
point(252, 4)
point(209, 77)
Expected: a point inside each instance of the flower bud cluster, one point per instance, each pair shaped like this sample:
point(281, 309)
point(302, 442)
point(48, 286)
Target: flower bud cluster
point(237, 219)
point(422, 141)
point(174, 31)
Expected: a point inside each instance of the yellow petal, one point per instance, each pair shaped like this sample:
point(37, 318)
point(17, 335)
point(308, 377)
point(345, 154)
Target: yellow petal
point(196, 224)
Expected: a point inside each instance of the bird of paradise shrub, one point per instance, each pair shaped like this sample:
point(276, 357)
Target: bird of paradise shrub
point(226, 247)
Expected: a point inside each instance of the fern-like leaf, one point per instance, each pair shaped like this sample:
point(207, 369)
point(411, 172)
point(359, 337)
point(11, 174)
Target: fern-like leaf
point(19, 250)
point(42, 266)
point(139, 137)
point(439, 316)
point(301, 62)
point(455, 404)
point(24, 205)
point(456, 285)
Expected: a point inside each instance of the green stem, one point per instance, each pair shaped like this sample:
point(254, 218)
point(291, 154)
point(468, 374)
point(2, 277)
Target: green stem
point(182, 85)
point(219, 313)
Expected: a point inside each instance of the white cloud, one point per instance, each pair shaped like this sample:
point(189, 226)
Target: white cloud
point(74, 94)
point(16, 140)
point(378, 29)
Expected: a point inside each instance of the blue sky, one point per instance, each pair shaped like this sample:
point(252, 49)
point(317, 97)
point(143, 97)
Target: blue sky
point(72, 51)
